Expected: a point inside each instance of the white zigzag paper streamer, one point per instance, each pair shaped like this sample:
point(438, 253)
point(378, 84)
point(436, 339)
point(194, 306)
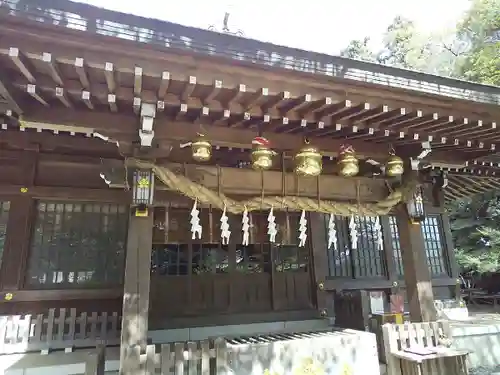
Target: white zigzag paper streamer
point(195, 222)
point(224, 227)
point(245, 226)
point(271, 226)
point(353, 233)
point(302, 229)
point(332, 232)
point(378, 233)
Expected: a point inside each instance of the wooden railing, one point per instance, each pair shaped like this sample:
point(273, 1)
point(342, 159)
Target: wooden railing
point(95, 20)
point(62, 329)
point(190, 357)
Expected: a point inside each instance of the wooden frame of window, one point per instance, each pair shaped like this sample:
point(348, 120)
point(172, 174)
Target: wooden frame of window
point(393, 271)
point(77, 244)
point(207, 278)
point(16, 252)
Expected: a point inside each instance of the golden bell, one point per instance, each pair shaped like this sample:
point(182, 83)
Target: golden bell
point(348, 164)
point(394, 166)
point(308, 162)
point(262, 158)
point(201, 149)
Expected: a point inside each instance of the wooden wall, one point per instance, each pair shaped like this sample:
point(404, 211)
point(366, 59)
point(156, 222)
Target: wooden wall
point(35, 176)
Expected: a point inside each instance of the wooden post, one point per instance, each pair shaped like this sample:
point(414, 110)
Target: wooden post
point(95, 362)
point(416, 271)
point(16, 251)
point(319, 245)
point(136, 293)
point(452, 264)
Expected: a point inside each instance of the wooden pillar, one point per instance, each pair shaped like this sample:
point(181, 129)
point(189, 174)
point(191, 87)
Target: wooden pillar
point(416, 271)
point(16, 251)
point(136, 294)
point(319, 245)
point(19, 227)
point(451, 260)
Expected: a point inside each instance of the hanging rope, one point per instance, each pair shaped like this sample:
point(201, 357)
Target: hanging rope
point(195, 191)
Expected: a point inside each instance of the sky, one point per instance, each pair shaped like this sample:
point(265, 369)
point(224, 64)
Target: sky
point(323, 26)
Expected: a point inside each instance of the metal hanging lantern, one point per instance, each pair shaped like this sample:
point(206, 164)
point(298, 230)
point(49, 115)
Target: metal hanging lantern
point(308, 161)
point(201, 149)
point(262, 155)
point(348, 162)
point(142, 190)
point(415, 206)
point(394, 166)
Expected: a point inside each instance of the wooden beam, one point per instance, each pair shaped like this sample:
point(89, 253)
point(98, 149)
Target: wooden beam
point(87, 100)
point(109, 75)
point(50, 141)
point(188, 88)
point(31, 90)
point(112, 103)
point(20, 63)
point(64, 295)
point(238, 181)
point(213, 93)
point(82, 72)
point(52, 68)
point(127, 52)
point(68, 194)
point(137, 81)
point(124, 127)
point(164, 83)
point(61, 95)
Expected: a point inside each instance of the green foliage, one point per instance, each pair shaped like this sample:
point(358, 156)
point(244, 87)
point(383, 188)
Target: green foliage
point(359, 49)
point(480, 29)
point(470, 52)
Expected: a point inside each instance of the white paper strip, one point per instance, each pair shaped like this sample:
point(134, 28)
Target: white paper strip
point(353, 233)
point(271, 227)
point(332, 232)
point(245, 226)
point(195, 222)
point(224, 227)
point(302, 229)
point(378, 234)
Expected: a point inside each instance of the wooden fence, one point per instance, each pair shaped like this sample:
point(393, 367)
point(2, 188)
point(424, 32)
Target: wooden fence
point(196, 358)
point(65, 330)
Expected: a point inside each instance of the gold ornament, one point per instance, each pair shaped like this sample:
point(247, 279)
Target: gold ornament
point(394, 165)
point(262, 155)
point(201, 149)
point(348, 162)
point(308, 162)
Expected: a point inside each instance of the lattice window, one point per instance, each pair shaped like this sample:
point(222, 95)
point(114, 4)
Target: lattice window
point(77, 245)
point(4, 216)
point(396, 245)
point(178, 258)
point(340, 256)
point(434, 243)
point(368, 256)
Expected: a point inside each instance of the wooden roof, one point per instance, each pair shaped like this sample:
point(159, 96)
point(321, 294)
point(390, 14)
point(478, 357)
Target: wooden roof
point(108, 64)
point(467, 186)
